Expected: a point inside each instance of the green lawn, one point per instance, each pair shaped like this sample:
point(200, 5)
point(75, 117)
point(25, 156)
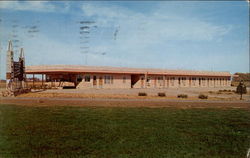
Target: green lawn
point(123, 132)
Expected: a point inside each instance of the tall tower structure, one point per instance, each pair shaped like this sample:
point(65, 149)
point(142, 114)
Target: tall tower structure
point(15, 73)
point(9, 66)
point(22, 76)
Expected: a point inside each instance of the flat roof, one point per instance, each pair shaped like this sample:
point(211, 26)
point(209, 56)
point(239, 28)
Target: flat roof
point(75, 69)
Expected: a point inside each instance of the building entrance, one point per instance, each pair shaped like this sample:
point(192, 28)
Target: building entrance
point(94, 81)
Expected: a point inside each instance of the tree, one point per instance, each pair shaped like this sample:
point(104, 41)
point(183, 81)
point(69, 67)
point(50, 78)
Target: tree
point(241, 89)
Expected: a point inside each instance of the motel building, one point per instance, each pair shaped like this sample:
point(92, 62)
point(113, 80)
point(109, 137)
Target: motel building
point(83, 77)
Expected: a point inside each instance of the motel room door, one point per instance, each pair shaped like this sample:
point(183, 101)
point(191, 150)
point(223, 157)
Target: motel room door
point(94, 81)
point(100, 82)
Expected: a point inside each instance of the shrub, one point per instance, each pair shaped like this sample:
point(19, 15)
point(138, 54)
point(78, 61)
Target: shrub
point(161, 94)
point(224, 90)
point(202, 96)
point(142, 94)
point(182, 96)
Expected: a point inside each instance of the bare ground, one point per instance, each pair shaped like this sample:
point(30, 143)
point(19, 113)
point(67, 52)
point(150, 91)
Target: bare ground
point(171, 93)
point(130, 98)
point(105, 102)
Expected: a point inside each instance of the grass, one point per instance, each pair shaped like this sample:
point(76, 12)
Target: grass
point(123, 132)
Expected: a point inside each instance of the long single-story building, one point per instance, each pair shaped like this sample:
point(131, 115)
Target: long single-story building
point(120, 77)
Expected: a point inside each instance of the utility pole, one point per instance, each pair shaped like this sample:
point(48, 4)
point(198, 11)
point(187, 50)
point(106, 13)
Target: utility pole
point(1, 64)
point(0, 61)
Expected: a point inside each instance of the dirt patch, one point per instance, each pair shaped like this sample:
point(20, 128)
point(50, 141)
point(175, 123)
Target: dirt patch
point(130, 98)
point(104, 102)
point(133, 94)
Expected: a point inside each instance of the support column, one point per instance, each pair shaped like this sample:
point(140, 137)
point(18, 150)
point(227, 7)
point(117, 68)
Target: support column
point(33, 80)
point(168, 81)
point(190, 81)
point(164, 80)
point(145, 83)
point(42, 80)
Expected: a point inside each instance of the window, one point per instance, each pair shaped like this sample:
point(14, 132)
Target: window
point(179, 80)
point(148, 79)
point(108, 79)
point(79, 78)
point(124, 79)
point(203, 81)
point(210, 81)
point(160, 80)
point(87, 78)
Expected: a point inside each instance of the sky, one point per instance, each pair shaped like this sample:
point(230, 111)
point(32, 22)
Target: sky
point(191, 35)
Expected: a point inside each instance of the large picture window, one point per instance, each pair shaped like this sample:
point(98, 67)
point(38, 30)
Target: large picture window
point(87, 78)
point(160, 80)
point(79, 78)
point(108, 79)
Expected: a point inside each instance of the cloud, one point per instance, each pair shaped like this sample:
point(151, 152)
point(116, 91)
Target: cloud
point(159, 38)
point(157, 26)
point(38, 6)
point(110, 12)
point(148, 39)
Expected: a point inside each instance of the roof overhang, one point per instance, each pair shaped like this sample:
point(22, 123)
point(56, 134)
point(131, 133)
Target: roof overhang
point(77, 69)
